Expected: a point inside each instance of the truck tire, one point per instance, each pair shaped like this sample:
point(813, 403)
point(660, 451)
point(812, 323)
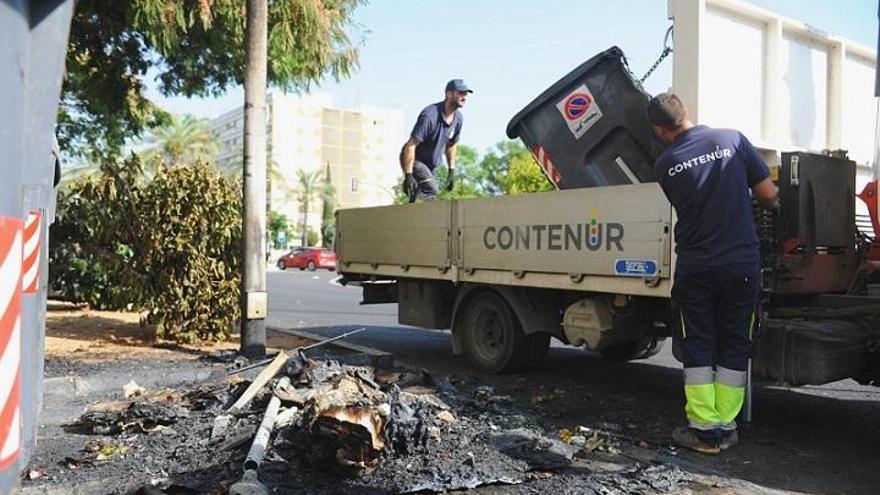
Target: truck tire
point(492, 336)
point(637, 349)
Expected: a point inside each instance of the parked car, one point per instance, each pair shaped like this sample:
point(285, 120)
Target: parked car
point(309, 258)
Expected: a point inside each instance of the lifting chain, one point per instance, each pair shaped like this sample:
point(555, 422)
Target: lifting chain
point(667, 49)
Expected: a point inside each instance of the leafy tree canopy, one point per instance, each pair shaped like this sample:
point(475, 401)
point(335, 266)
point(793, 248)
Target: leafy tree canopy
point(196, 48)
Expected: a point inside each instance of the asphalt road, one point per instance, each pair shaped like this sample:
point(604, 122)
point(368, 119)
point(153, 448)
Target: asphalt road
point(807, 440)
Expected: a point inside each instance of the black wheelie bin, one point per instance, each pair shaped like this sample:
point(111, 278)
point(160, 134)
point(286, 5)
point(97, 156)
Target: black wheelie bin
point(590, 128)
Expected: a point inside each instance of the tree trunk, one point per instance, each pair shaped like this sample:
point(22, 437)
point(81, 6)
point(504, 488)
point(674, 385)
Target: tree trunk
point(253, 289)
point(327, 213)
point(305, 229)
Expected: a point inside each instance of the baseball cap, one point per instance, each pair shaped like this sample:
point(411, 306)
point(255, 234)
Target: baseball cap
point(458, 85)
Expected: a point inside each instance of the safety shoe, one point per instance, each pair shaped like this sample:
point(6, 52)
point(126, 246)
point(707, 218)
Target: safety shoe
point(729, 439)
point(688, 438)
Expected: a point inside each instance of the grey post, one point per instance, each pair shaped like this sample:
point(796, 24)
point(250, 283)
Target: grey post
point(33, 45)
point(253, 289)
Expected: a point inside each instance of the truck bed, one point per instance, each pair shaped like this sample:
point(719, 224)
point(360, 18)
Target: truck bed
point(613, 239)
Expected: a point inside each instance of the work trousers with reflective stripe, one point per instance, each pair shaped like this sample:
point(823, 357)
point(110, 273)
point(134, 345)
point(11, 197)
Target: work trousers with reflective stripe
point(715, 320)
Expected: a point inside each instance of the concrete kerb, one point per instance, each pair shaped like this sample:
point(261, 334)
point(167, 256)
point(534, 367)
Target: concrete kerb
point(103, 382)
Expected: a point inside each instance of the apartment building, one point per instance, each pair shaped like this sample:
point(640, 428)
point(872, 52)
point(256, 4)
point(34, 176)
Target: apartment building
point(308, 132)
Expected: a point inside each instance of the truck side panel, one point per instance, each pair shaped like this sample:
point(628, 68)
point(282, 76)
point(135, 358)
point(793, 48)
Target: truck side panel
point(398, 236)
point(581, 232)
point(615, 239)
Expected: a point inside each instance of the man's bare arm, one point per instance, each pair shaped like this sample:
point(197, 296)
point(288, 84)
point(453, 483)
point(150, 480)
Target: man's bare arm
point(765, 193)
point(408, 155)
point(450, 156)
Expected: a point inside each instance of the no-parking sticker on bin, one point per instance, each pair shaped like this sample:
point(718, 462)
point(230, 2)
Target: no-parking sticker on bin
point(580, 110)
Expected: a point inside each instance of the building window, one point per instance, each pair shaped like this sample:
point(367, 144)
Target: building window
point(352, 139)
point(352, 121)
point(332, 117)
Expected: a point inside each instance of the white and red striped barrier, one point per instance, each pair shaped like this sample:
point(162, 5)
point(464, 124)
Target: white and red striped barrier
point(10, 339)
point(31, 265)
point(547, 165)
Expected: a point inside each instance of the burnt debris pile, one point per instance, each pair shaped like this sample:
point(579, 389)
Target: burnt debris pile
point(319, 426)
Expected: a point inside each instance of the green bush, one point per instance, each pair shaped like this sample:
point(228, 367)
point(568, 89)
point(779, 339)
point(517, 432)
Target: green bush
point(88, 261)
point(312, 238)
point(169, 246)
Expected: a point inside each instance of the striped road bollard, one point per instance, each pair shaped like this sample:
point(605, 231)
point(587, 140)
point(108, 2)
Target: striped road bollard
point(10, 341)
point(31, 262)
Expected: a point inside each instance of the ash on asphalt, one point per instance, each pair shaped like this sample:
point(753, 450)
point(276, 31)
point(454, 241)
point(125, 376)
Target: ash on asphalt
point(482, 441)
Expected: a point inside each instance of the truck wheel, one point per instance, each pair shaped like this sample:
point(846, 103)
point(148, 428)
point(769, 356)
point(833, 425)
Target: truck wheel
point(637, 349)
point(493, 337)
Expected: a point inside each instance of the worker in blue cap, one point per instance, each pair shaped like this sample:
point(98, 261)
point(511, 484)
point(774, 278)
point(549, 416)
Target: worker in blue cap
point(435, 134)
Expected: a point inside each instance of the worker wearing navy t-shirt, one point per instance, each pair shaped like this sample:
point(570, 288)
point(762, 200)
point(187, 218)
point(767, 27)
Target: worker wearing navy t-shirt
point(434, 135)
point(710, 176)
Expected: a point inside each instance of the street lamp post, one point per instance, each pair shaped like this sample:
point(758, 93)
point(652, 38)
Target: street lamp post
point(253, 280)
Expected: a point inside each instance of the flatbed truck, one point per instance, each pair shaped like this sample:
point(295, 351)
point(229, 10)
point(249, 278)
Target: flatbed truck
point(592, 263)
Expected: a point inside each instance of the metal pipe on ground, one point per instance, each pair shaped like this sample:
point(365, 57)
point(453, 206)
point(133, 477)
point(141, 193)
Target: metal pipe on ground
point(258, 448)
point(250, 482)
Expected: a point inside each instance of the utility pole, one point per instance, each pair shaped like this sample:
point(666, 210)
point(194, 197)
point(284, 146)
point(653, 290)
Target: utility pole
point(253, 280)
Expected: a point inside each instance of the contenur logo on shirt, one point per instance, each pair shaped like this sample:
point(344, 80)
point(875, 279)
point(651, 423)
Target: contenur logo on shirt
point(698, 160)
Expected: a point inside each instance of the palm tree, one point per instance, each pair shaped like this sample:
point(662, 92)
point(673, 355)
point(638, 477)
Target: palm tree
point(184, 139)
point(236, 166)
point(307, 188)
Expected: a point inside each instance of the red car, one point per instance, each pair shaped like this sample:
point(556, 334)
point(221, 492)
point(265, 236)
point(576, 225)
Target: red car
point(309, 258)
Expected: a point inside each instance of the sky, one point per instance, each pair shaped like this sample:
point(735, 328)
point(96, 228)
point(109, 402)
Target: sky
point(509, 51)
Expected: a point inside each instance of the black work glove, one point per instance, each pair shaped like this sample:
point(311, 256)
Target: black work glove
point(450, 179)
point(410, 186)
